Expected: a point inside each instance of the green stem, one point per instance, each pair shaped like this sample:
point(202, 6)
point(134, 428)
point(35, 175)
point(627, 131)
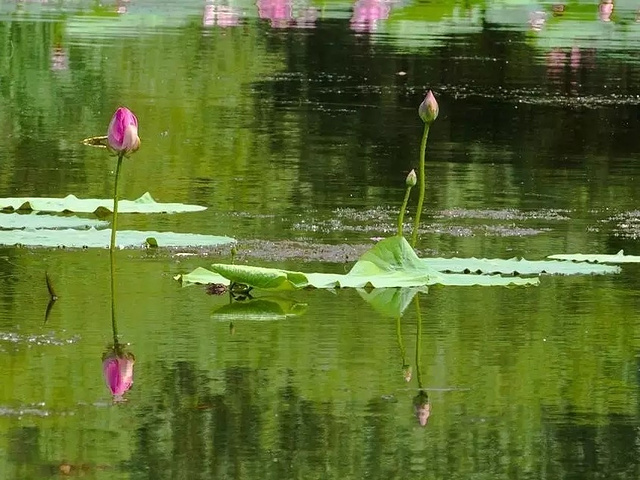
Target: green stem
point(403, 351)
point(112, 248)
point(402, 210)
point(422, 181)
point(418, 342)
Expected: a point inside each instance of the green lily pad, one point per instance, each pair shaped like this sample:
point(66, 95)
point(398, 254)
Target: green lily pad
point(265, 308)
point(390, 263)
point(517, 266)
point(101, 238)
point(619, 257)
point(37, 221)
point(101, 207)
point(201, 276)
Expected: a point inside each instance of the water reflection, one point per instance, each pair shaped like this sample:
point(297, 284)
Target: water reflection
point(421, 404)
point(117, 362)
point(421, 400)
point(368, 13)
point(605, 10)
point(220, 14)
point(287, 13)
point(117, 367)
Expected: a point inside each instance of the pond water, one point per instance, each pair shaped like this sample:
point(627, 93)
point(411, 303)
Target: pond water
point(295, 124)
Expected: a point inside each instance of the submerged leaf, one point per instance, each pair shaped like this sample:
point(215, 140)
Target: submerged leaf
point(101, 238)
point(390, 263)
point(71, 203)
point(516, 266)
point(619, 257)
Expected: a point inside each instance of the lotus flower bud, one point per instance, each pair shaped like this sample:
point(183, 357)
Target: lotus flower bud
point(122, 136)
point(118, 371)
point(429, 109)
point(412, 179)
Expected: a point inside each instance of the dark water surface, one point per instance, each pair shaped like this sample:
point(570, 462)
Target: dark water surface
point(297, 122)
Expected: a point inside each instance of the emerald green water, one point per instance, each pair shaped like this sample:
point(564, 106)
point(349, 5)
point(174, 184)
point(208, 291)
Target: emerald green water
point(300, 138)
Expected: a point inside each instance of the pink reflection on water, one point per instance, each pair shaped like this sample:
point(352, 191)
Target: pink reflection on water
point(558, 60)
point(284, 14)
point(59, 59)
point(222, 15)
point(367, 14)
point(605, 10)
point(121, 6)
point(537, 20)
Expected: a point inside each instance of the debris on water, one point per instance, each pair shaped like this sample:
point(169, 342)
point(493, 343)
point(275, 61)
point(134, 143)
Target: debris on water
point(216, 289)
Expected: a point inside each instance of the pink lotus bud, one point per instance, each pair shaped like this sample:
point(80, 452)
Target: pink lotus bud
point(429, 109)
point(411, 179)
point(122, 135)
point(118, 372)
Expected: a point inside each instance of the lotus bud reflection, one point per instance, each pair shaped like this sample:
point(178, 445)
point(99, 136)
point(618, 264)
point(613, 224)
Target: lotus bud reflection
point(422, 408)
point(117, 367)
point(407, 373)
point(429, 109)
point(605, 9)
point(412, 179)
point(122, 136)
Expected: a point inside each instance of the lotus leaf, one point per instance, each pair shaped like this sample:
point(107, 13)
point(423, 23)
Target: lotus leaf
point(101, 207)
point(201, 276)
point(35, 221)
point(390, 263)
point(516, 266)
point(619, 257)
point(101, 238)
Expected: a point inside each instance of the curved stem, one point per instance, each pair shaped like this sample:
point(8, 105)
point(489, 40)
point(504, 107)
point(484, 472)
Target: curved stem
point(402, 210)
point(422, 181)
point(112, 248)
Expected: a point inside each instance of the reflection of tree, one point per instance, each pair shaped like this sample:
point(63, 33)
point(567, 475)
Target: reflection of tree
point(251, 430)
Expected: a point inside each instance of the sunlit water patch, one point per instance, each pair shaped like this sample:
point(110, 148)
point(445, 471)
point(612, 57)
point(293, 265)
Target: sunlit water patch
point(383, 221)
point(539, 96)
point(16, 340)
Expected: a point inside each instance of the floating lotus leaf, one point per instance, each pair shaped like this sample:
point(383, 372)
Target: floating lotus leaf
point(517, 266)
point(390, 263)
point(265, 308)
point(101, 207)
point(101, 238)
point(619, 257)
point(201, 276)
point(34, 221)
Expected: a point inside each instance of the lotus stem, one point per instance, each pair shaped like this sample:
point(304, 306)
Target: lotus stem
point(418, 342)
point(112, 248)
point(403, 351)
point(403, 209)
point(422, 181)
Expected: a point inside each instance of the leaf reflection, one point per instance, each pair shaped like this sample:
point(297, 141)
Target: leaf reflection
point(263, 308)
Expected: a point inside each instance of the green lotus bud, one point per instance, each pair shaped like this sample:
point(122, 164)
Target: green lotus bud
point(412, 179)
point(429, 109)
